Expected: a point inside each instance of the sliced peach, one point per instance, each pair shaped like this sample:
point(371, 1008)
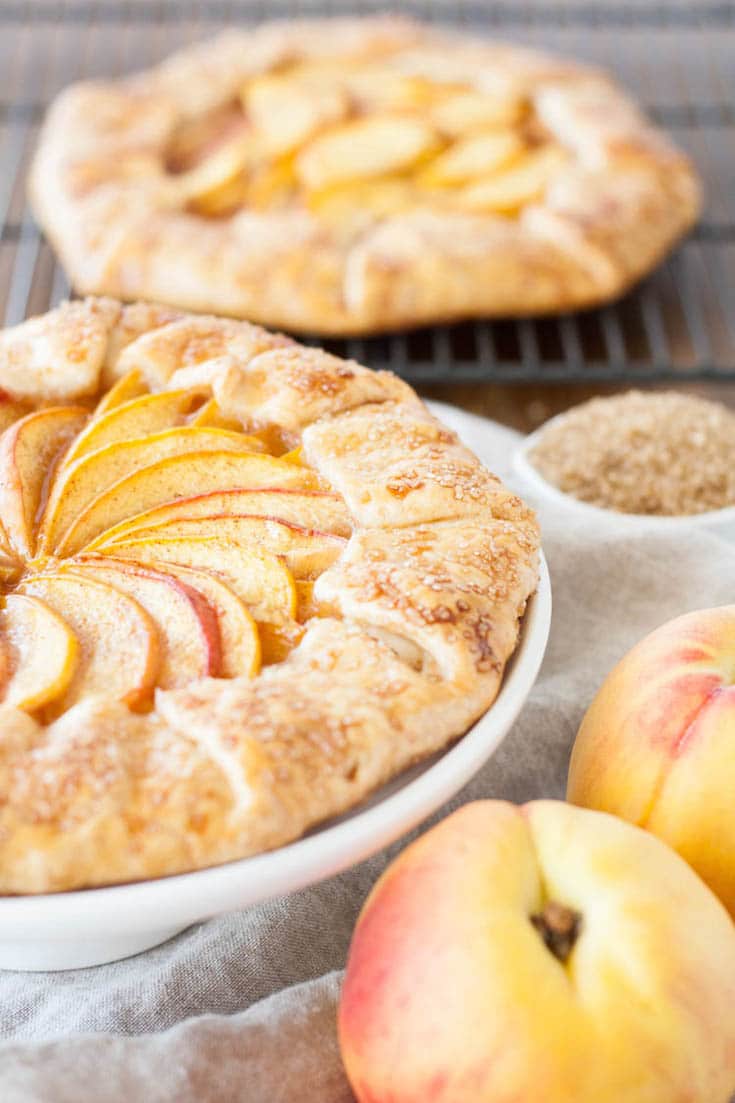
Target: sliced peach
point(524, 181)
point(312, 508)
point(258, 577)
point(139, 417)
point(11, 411)
point(321, 70)
point(364, 148)
point(277, 641)
point(478, 155)
point(6, 661)
point(127, 387)
point(306, 552)
point(271, 185)
point(44, 650)
point(210, 416)
point(81, 482)
point(184, 476)
point(224, 199)
point(379, 88)
point(118, 641)
point(220, 166)
point(357, 200)
point(10, 568)
point(308, 606)
point(196, 136)
point(465, 112)
point(287, 111)
point(27, 452)
point(239, 637)
point(188, 629)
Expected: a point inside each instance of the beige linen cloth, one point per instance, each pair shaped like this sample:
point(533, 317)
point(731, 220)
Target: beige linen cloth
point(242, 1008)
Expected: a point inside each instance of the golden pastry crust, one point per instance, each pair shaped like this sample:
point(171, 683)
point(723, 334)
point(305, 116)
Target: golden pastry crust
point(417, 614)
point(123, 222)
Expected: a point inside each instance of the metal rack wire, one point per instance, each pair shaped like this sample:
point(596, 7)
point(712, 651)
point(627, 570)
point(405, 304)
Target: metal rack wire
point(677, 57)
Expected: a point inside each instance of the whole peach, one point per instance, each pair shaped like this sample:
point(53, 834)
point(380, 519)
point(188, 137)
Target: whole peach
point(542, 954)
point(657, 745)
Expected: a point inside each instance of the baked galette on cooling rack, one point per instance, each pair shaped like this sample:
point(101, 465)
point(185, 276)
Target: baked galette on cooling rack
point(352, 176)
point(243, 583)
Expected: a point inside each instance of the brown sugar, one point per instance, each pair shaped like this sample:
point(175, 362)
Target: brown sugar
point(652, 453)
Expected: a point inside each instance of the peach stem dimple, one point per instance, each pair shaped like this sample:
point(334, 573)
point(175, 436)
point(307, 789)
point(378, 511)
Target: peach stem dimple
point(559, 928)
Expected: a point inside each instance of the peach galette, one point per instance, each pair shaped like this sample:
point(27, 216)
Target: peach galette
point(357, 175)
point(243, 583)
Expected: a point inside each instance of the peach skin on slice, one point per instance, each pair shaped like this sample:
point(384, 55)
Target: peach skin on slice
point(82, 481)
point(11, 411)
point(210, 416)
point(239, 637)
point(118, 641)
point(9, 566)
point(277, 641)
point(307, 605)
point(305, 552)
point(182, 477)
point(128, 386)
point(140, 417)
point(27, 452)
point(314, 509)
point(44, 651)
point(259, 578)
point(188, 629)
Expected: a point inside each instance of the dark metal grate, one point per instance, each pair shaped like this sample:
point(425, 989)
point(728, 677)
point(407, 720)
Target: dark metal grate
point(677, 57)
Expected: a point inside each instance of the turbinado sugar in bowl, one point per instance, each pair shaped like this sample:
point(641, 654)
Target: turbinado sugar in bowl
point(662, 453)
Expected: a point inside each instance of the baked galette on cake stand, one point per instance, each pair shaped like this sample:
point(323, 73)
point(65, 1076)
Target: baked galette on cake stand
point(244, 583)
point(352, 176)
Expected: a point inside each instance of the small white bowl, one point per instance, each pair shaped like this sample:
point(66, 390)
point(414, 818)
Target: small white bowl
point(722, 520)
point(73, 929)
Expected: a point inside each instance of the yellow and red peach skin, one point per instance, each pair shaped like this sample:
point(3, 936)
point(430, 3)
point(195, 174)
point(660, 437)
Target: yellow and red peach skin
point(452, 996)
point(657, 745)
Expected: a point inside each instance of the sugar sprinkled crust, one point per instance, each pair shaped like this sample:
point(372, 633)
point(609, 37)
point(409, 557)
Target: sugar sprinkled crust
point(100, 188)
point(420, 613)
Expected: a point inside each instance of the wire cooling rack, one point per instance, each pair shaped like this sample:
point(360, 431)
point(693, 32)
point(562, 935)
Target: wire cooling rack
point(678, 58)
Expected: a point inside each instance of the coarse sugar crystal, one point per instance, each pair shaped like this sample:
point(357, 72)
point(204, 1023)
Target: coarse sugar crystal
point(662, 453)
